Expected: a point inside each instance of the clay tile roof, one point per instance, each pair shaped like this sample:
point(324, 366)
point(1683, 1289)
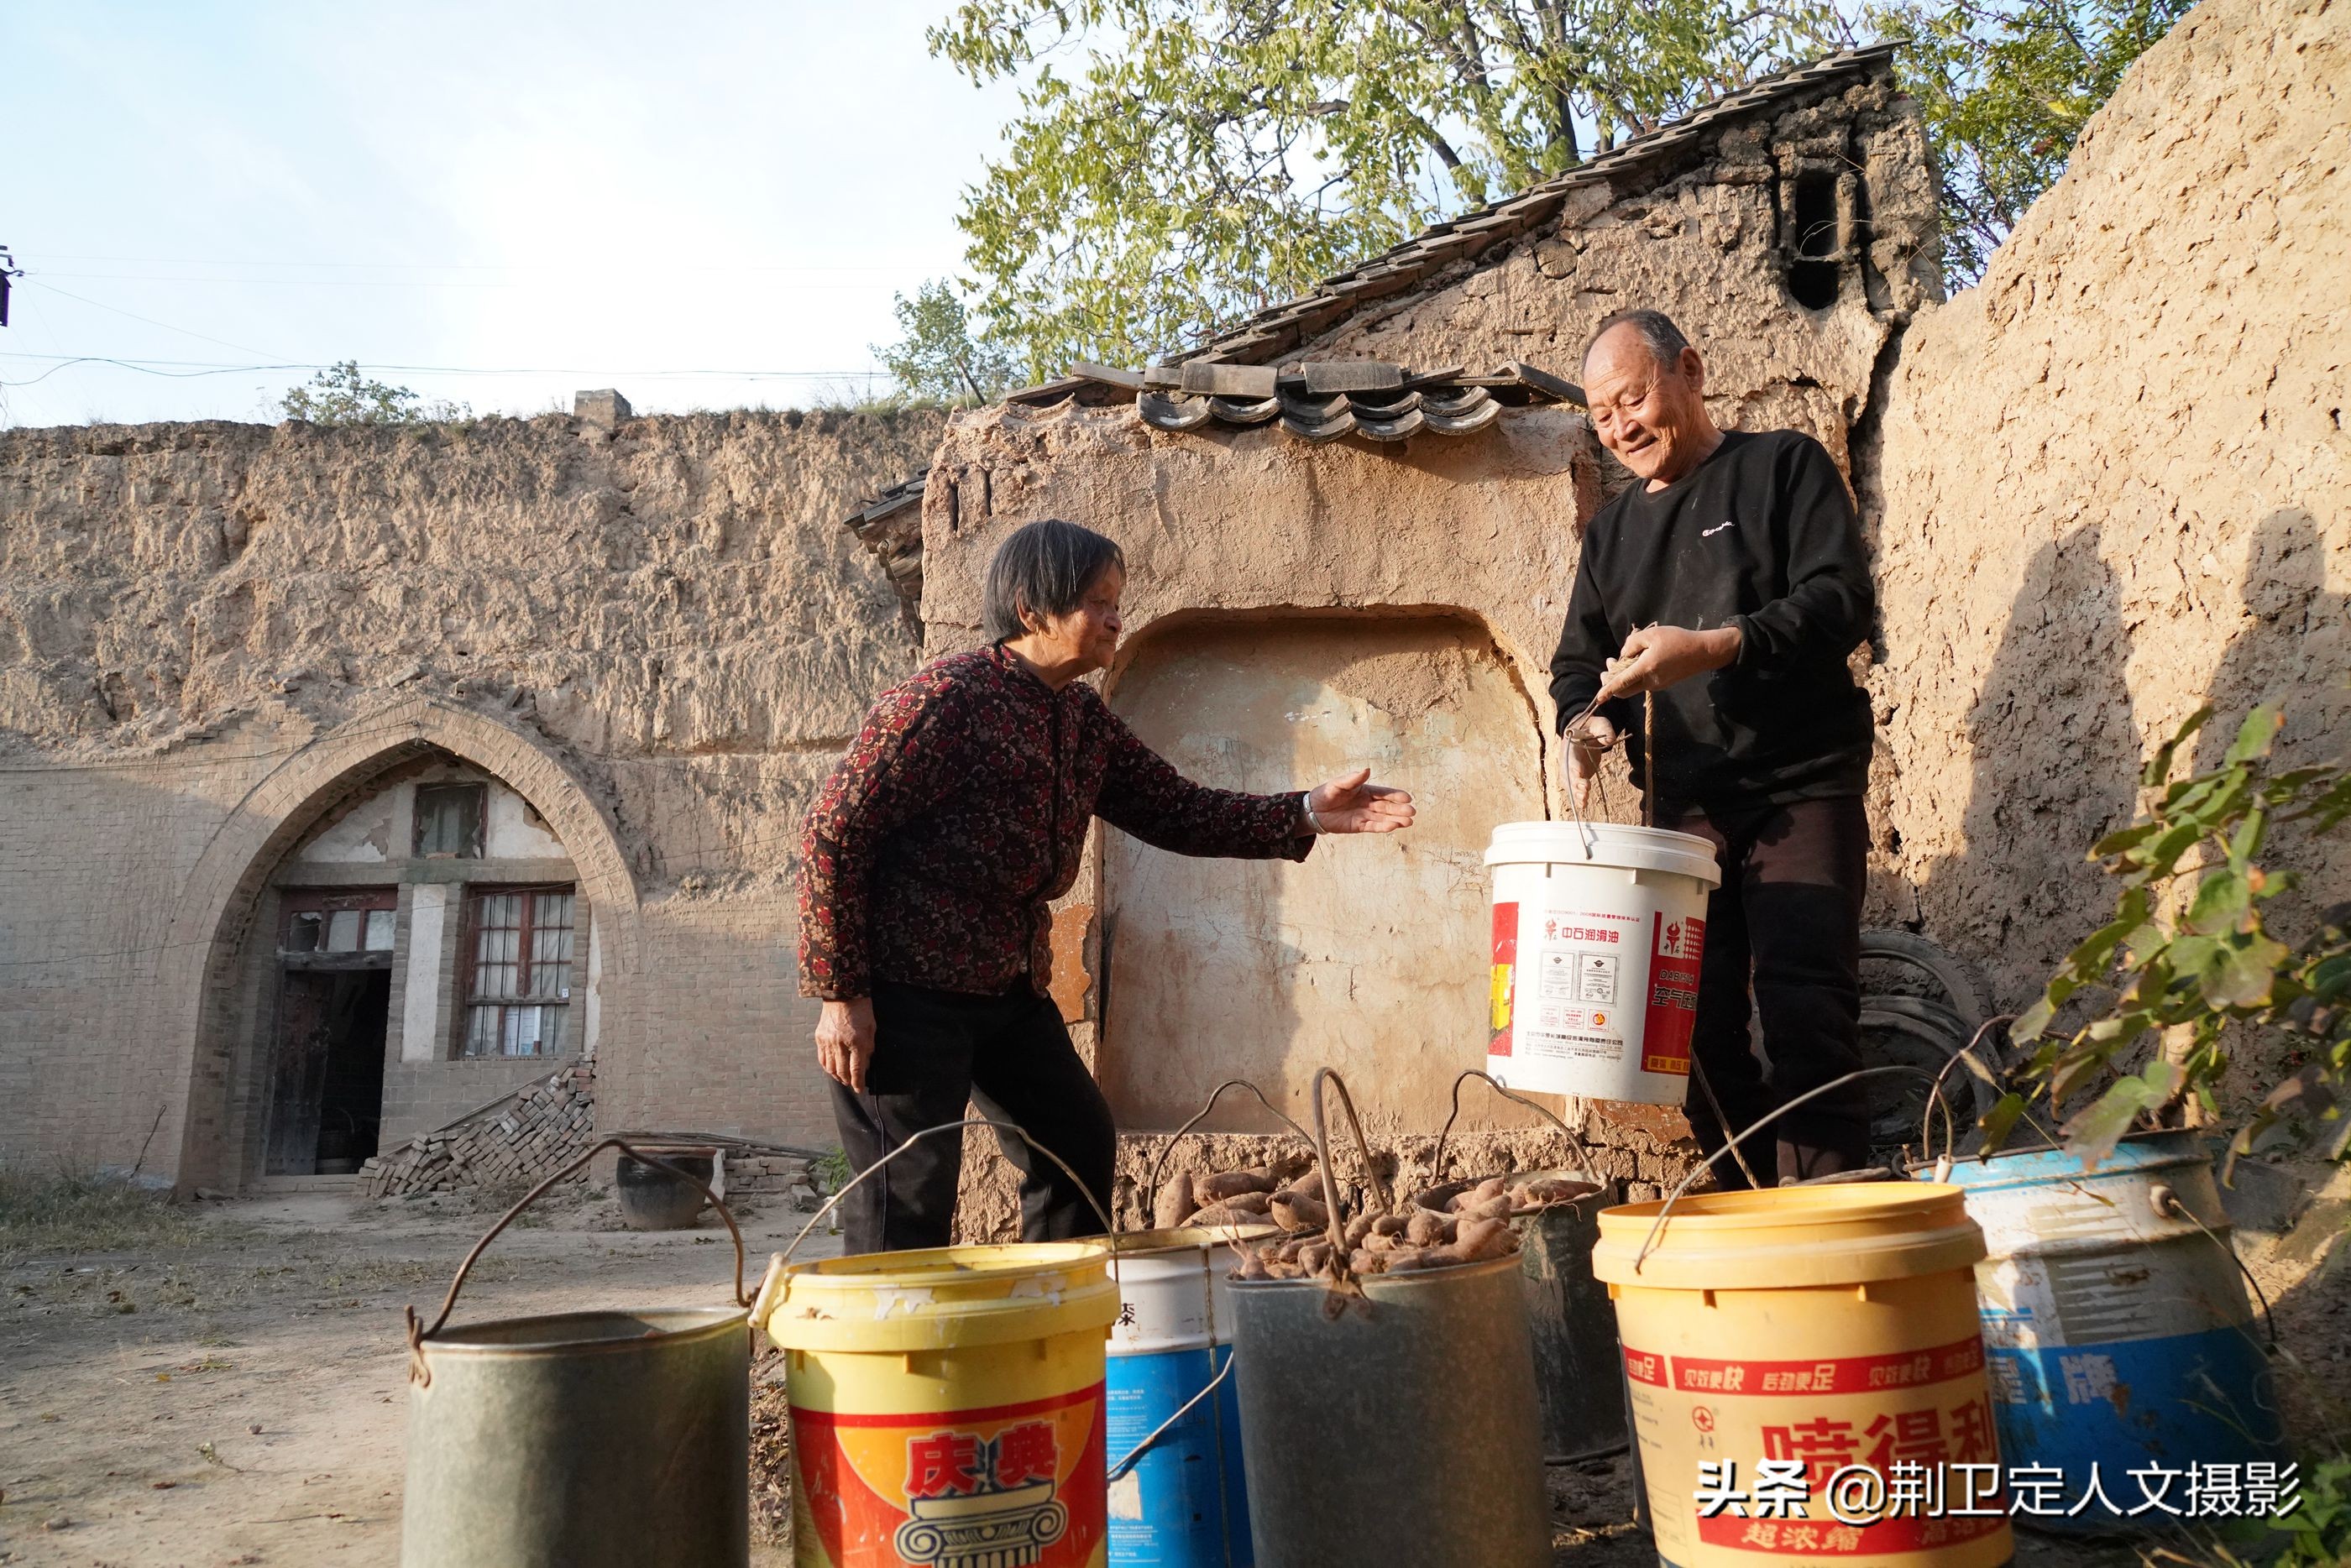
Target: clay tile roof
point(1276, 330)
point(1321, 400)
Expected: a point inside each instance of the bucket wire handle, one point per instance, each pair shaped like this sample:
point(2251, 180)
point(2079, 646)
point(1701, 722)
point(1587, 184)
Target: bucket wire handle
point(1373, 1180)
point(1574, 808)
point(1649, 1243)
point(421, 1374)
point(1159, 1166)
point(999, 1129)
point(2171, 1206)
point(1135, 1455)
point(1967, 1056)
point(1437, 1160)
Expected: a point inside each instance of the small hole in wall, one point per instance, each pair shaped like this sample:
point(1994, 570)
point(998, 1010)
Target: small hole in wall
point(1812, 268)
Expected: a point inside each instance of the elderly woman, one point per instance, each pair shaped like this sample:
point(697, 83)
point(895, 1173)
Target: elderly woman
point(926, 864)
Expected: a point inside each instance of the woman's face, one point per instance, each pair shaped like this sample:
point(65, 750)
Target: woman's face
point(1087, 636)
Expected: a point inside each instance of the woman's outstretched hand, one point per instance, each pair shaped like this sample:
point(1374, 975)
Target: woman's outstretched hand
point(1355, 804)
point(844, 1041)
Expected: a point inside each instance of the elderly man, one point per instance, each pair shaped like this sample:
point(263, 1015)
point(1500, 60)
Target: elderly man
point(1729, 580)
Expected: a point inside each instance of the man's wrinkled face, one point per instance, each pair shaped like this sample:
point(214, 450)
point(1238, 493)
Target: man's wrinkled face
point(1650, 416)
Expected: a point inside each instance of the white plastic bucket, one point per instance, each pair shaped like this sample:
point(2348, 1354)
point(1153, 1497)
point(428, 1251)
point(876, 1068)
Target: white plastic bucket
point(1597, 934)
point(1183, 1502)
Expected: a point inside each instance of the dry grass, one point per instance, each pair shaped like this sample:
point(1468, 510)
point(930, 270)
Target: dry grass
point(73, 1213)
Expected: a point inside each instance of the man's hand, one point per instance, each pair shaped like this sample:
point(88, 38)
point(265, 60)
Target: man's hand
point(1592, 740)
point(1656, 657)
point(844, 1041)
point(1355, 804)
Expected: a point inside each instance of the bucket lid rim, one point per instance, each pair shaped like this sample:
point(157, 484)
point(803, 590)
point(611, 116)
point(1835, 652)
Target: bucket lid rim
point(1135, 1245)
point(932, 1266)
point(1717, 1213)
point(453, 1341)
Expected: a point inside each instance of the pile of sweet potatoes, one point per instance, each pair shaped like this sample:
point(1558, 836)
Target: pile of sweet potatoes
point(1475, 1226)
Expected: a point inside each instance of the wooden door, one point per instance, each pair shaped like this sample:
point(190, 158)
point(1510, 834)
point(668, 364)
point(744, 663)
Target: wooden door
point(305, 1025)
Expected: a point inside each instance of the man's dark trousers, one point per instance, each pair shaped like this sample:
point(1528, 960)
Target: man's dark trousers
point(1788, 915)
point(1010, 1056)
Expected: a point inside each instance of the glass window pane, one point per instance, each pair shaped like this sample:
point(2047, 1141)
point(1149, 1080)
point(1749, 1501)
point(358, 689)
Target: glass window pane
point(550, 1030)
point(449, 819)
point(522, 1031)
point(554, 909)
point(344, 931)
point(302, 934)
point(379, 930)
point(481, 1030)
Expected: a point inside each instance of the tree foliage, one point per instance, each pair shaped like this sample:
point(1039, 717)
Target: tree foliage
point(2005, 86)
point(340, 395)
point(2190, 964)
point(938, 361)
point(1178, 163)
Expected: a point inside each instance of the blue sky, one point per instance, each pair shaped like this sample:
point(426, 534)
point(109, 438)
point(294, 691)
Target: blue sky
point(584, 194)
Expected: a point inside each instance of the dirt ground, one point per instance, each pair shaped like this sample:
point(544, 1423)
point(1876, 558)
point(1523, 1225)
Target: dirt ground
point(232, 1391)
point(239, 1395)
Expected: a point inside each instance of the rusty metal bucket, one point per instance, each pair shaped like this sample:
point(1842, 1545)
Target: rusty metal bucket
point(586, 1440)
point(1579, 1370)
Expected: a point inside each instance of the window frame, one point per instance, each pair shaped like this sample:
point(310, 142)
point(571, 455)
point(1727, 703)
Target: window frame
point(477, 845)
point(469, 964)
point(325, 903)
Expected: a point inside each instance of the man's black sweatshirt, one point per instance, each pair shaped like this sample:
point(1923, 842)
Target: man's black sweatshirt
point(1760, 536)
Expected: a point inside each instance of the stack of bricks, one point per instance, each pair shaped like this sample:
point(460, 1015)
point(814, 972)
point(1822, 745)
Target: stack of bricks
point(754, 1170)
point(519, 1139)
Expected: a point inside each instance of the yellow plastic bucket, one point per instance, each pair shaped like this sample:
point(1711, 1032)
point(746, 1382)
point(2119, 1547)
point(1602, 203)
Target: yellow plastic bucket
point(946, 1405)
point(1831, 1331)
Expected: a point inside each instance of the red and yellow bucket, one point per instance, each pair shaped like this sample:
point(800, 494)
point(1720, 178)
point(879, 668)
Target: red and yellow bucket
point(946, 1405)
point(1807, 1375)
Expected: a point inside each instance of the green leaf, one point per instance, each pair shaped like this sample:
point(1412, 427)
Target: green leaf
point(2116, 842)
point(2034, 1020)
point(2091, 1136)
point(2000, 1120)
point(2242, 974)
point(2254, 736)
point(2158, 766)
point(2222, 899)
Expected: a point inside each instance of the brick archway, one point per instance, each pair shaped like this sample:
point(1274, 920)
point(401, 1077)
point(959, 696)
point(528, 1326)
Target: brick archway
point(191, 1013)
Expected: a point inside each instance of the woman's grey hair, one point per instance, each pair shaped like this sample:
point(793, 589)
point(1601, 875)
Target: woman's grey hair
point(1045, 568)
point(1657, 329)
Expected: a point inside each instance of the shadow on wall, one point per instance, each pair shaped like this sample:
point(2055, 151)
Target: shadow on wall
point(2057, 753)
point(2295, 648)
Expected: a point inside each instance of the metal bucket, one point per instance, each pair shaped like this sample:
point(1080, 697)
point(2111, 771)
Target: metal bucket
point(1178, 1497)
point(2115, 1326)
point(1398, 1426)
point(1579, 1371)
point(592, 1439)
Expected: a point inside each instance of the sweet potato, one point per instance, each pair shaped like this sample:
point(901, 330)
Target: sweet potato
point(1481, 1239)
point(1361, 1261)
point(1380, 1242)
point(1295, 1212)
point(1495, 1207)
point(1314, 1257)
point(1232, 1184)
point(1174, 1203)
point(1410, 1260)
point(1550, 1189)
point(1216, 1214)
point(1357, 1228)
point(1252, 1267)
point(1428, 1229)
point(1391, 1224)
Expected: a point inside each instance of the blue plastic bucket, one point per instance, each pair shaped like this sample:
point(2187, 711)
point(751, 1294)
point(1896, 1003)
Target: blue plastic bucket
point(2116, 1330)
point(1182, 1502)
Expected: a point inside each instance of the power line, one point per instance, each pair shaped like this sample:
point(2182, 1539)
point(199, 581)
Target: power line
point(244, 347)
point(188, 369)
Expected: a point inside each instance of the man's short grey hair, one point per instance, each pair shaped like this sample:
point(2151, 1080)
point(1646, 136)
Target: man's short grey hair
point(1656, 328)
point(1045, 568)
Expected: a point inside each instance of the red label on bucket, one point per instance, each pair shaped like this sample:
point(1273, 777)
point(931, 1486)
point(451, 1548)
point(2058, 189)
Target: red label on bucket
point(1505, 976)
point(1675, 948)
point(1012, 1483)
